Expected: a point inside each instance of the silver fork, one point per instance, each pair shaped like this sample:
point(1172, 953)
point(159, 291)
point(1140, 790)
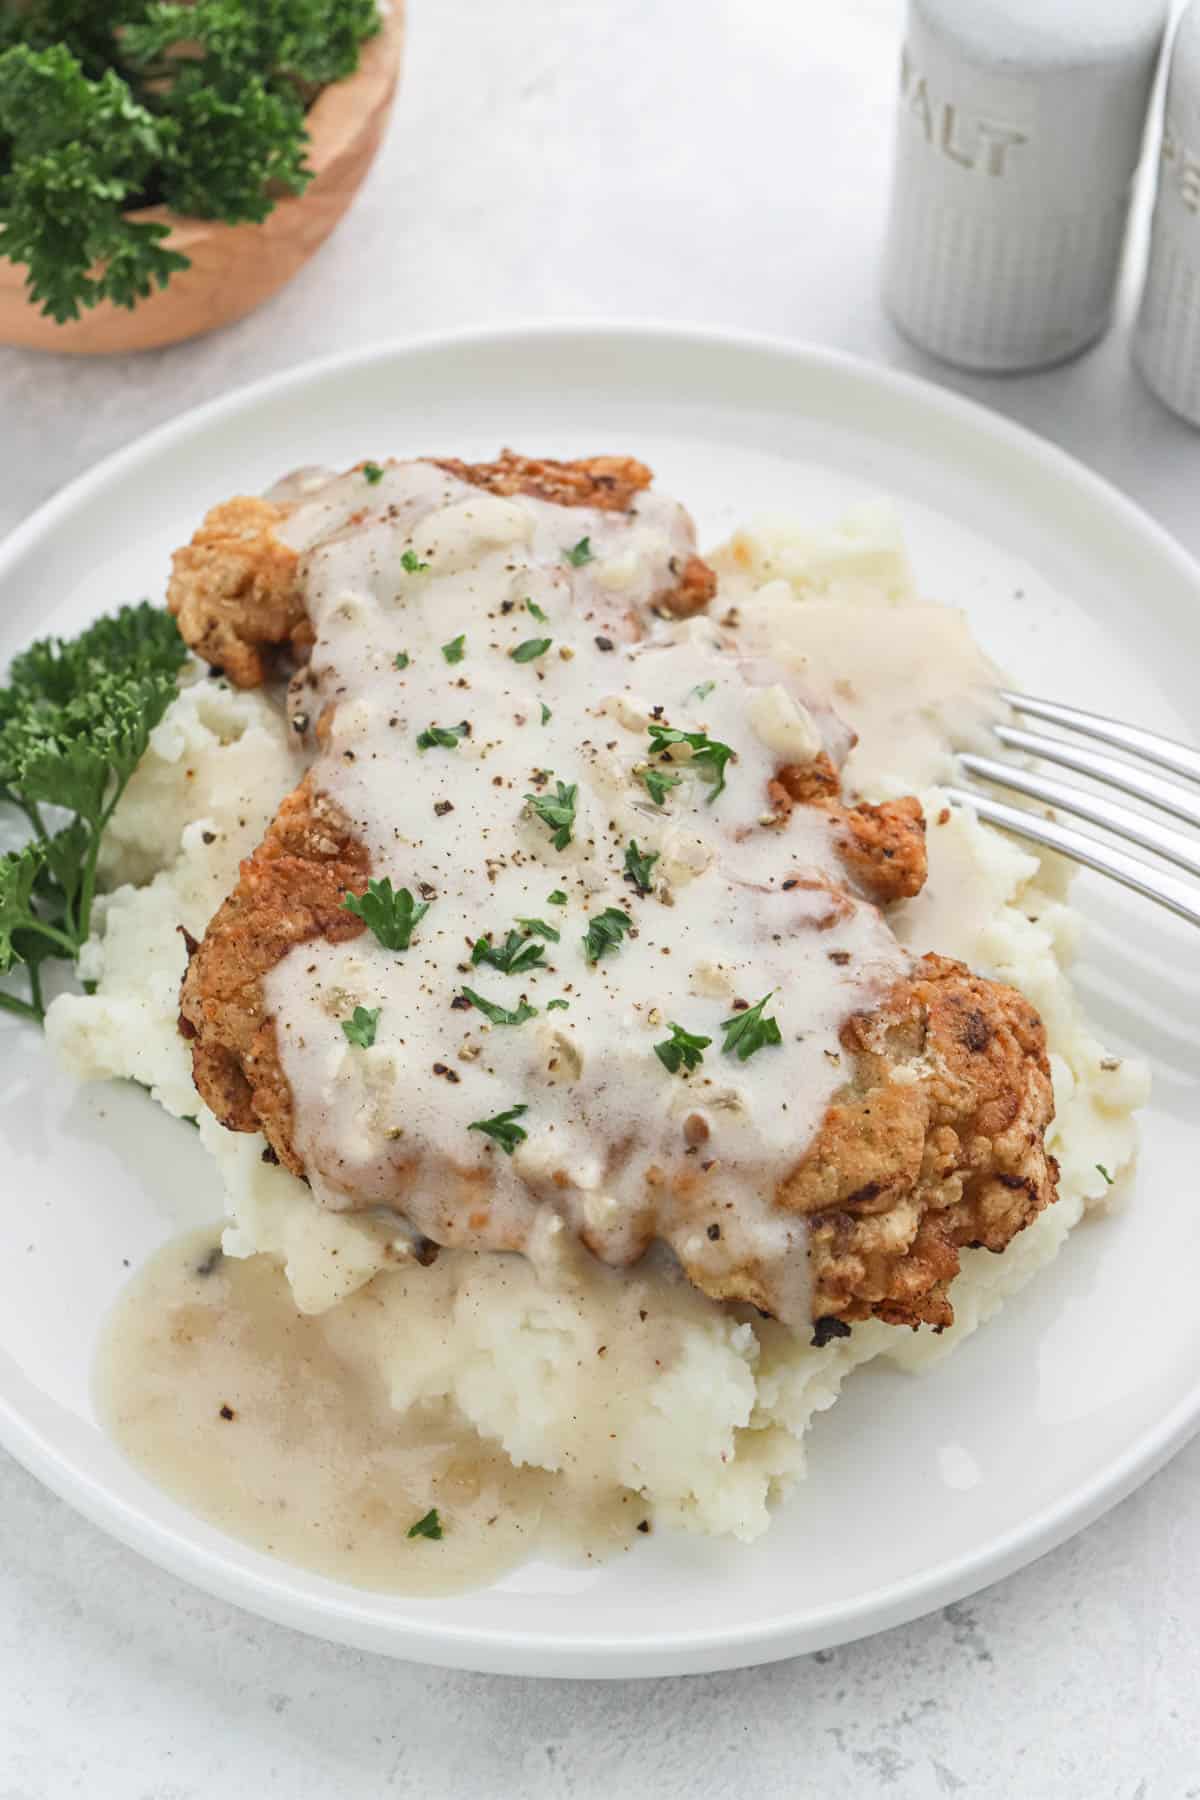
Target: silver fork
point(1128, 777)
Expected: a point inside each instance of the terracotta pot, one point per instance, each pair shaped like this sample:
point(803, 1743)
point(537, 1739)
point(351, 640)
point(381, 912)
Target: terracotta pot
point(236, 267)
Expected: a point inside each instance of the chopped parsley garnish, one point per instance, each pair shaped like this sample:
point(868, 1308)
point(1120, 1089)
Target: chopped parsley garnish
point(557, 1005)
point(657, 784)
point(373, 472)
point(531, 649)
point(430, 1526)
point(390, 915)
point(360, 1027)
point(539, 928)
point(557, 898)
point(453, 651)
point(500, 1015)
point(547, 715)
point(682, 1050)
point(517, 953)
point(708, 756)
point(411, 563)
point(579, 553)
point(531, 606)
point(701, 691)
point(1105, 1173)
point(502, 1129)
point(638, 864)
point(400, 660)
point(556, 810)
point(749, 1031)
point(441, 737)
point(604, 933)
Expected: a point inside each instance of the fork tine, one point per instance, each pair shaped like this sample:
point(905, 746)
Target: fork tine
point(1156, 789)
point(1095, 808)
point(1165, 752)
point(1168, 890)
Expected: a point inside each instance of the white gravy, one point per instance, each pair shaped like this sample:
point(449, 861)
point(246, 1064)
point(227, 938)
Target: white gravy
point(605, 1141)
point(278, 1428)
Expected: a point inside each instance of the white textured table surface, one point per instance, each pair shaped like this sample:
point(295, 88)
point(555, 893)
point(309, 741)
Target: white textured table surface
point(712, 160)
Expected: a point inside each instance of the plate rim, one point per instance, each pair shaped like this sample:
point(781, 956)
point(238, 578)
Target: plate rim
point(518, 1651)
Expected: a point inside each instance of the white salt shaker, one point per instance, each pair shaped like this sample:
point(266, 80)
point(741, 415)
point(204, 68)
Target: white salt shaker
point(1019, 133)
point(1167, 340)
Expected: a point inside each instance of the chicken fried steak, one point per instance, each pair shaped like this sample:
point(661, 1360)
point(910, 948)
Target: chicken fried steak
point(629, 969)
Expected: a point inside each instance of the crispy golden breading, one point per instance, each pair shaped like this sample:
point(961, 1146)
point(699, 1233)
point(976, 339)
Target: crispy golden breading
point(289, 891)
point(882, 847)
point(234, 588)
point(234, 591)
point(934, 1143)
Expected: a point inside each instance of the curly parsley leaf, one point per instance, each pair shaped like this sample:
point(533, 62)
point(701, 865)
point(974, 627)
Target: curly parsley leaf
point(77, 154)
point(579, 553)
point(682, 1050)
point(638, 864)
point(455, 649)
point(411, 563)
point(400, 660)
point(605, 933)
point(392, 915)
point(556, 810)
point(360, 1027)
point(749, 1031)
point(372, 473)
point(500, 1015)
point(75, 721)
point(503, 1129)
point(709, 757)
point(430, 1525)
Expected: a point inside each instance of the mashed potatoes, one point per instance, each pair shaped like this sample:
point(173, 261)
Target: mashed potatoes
point(631, 1381)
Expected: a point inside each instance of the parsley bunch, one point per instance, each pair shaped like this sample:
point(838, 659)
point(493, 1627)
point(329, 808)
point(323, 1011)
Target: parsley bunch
point(75, 720)
point(104, 110)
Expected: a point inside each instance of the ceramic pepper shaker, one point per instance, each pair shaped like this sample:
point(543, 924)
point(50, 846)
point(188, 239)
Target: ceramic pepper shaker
point(1167, 340)
point(1019, 134)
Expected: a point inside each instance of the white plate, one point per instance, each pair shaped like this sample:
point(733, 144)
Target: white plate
point(921, 1490)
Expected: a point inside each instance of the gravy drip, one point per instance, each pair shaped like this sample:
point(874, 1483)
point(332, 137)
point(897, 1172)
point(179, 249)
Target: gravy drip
point(279, 1429)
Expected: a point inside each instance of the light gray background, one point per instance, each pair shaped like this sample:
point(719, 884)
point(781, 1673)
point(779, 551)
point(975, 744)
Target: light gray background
point(703, 160)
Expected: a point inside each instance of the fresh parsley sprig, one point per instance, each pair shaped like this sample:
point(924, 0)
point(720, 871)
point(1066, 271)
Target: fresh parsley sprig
point(75, 721)
point(503, 1129)
point(605, 933)
point(682, 1050)
point(749, 1031)
point(556, 810)
point(638, 864)
point(709, 756)
point(442, 737)
point(657, 783)
point(392, 915)
point(517, 953)
point(500, 1015)
point(360, 1026)
point(530, 650)
point(201, 107)
point(429, 1525)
